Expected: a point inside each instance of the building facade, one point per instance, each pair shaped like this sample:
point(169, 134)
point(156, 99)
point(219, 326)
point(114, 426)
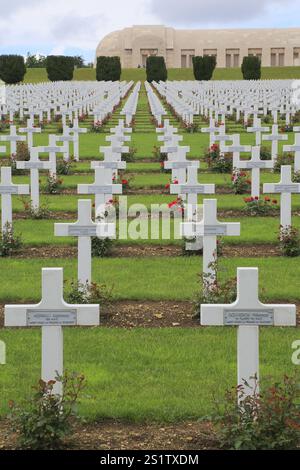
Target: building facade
point(275, 47)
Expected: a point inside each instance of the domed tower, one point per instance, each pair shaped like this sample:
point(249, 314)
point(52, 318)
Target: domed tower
point(110, 45)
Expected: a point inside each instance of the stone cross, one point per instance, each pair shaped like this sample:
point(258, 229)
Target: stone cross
point(257, 129)
point(255, 165)
point(294, 148)
point(210, 228)
point(34, 165)
point(176, 154)
point(13, 138)
point(51, 314)
point(285, 188)
point(275, 137)
point(66, 138)
point(84, 229)
point(211, 130)
point(30, 130)
point(53, 150)
point(103, 188)
point(248, 314)
point(76, 130)
point(7, 189)
point(236, 148)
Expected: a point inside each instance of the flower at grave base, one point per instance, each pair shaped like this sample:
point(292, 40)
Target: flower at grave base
point(275, 201)
point(175, 182)
point(167, 186)
point(248, 181)
point(256, 198)
point(267, 199)
point(124, 182)
point(172, 204)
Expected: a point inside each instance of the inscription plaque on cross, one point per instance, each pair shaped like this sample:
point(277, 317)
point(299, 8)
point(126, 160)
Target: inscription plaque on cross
point(286, 187)
point(103, 188)
point(84, 229)
point(275, 138)
point(210, 228)
point(13, 138)
point(52, 314)
point(7, 190)
point(30, 130)
point(294, 148)
point(236, 149)
point(257, 129)
point(248, 314)
point(255, 165)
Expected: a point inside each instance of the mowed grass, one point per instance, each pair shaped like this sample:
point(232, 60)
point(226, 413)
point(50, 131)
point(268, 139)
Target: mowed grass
point(258, 231)
point(40, 75)
point(161, 375)
point(156, 278)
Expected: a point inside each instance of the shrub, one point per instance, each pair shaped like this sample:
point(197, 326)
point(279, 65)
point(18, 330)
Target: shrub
point(262, 421)
point(204, 67)
point(53, 184)
point(101, 247)
point(241, 182)
point(285, 159)
point(251, 68)
point(156, 69)
point(108, 69)
point(289, 239)
point(64, 167)
point(12, 68)
point(23, 153)
point(42, 212)
point(265, 153)
point(218, 162)
point(60, 68)
point(9, 242)
point(257, 206)
point(43, 421)
point(78, 293)
point(129, 156)
point(191, 128)
point(96, 127)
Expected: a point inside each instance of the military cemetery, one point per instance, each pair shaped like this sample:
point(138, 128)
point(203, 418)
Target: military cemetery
point(154, 207)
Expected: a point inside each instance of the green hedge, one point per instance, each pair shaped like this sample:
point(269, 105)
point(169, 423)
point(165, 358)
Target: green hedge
point(204, 67)
point(12, 68)
point(108, 69)
point(156, 69)
point(60, 67)
point(251, 68)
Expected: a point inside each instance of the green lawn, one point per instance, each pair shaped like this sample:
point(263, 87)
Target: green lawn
point(155, 278)
point(159, 375)
point(40, 75)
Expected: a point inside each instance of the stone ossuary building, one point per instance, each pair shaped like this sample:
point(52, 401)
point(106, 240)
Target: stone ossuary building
point(275, 47)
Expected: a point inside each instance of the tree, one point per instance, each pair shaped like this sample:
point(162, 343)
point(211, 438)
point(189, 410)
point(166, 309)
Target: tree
point(251, 68)
point(78, 62)
point(156, 69)
point(12, 68)
point(60, 67)
point(108, 69)
point(204, 67)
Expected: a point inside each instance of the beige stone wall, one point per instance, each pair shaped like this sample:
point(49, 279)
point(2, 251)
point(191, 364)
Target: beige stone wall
point(276, 47)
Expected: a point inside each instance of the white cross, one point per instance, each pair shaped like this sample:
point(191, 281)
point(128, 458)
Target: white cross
point(211, 130)
point(286, 188)
point(30, 130)
point(34, 165)
point(275, 137)
point(7, 189)
point(210, 228)
point(103, 188)
point(52, 149)
point(192, 188)
point(257, 129)
point(51, 314)
point(84, 229)
point(13, 138)
point(66, 138)
point(76, 130)
point(294, 148)
point(248, 313)
point(236, 148)
point(255, 165)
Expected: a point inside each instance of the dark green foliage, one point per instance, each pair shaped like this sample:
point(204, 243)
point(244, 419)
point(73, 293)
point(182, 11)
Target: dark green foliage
point(60, 68)
point(33, 62)
point(12, 68)
point(204, 67)
point(156, 69)
point(251, 68)
point(108, 69)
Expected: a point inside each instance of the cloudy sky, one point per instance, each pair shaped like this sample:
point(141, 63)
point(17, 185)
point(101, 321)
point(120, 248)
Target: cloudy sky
point(76, 26)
